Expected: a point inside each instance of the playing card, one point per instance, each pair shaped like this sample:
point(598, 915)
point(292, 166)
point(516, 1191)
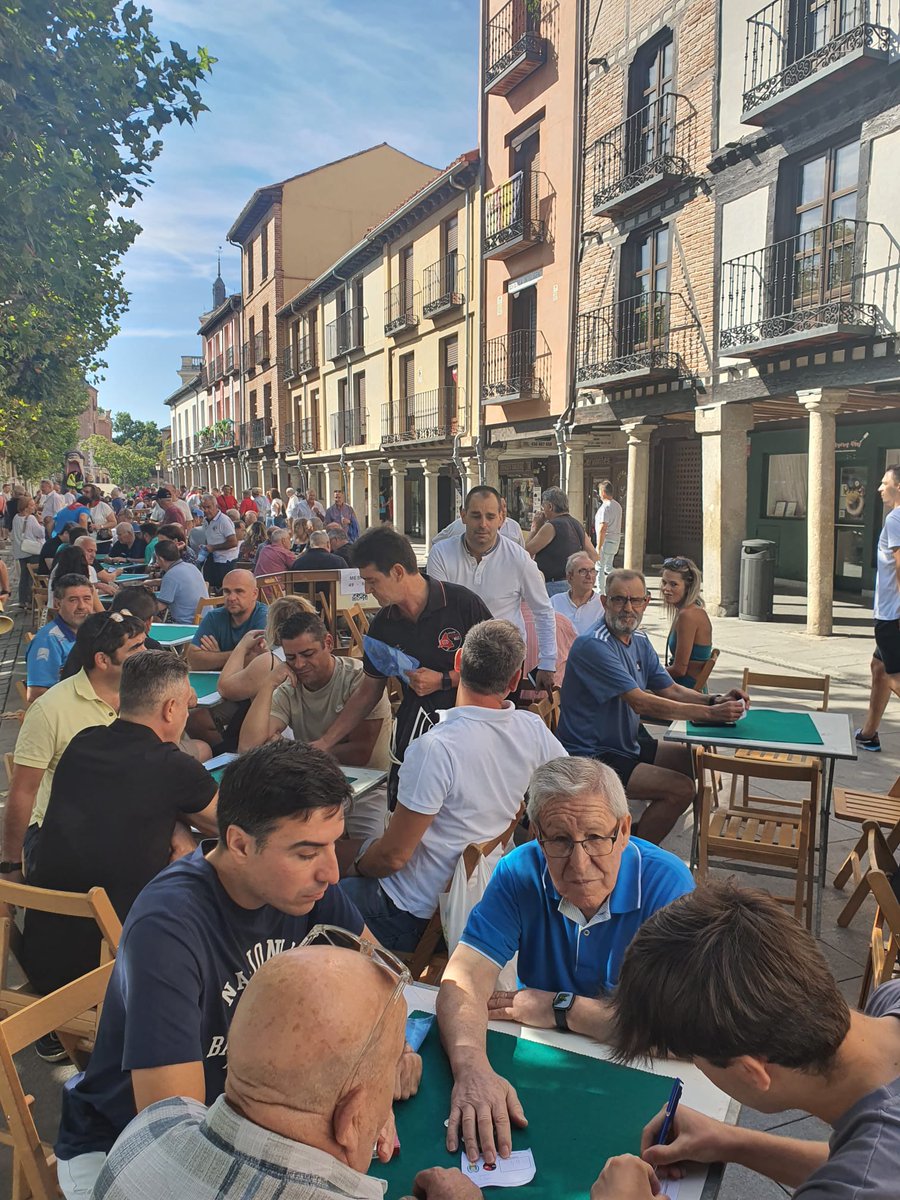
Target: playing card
point(514, 1171)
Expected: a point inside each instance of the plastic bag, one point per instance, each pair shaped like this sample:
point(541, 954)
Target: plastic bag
point(458, 902)
point(389, 660)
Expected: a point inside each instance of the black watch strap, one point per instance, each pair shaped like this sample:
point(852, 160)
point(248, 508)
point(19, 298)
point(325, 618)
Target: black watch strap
point(446, 681)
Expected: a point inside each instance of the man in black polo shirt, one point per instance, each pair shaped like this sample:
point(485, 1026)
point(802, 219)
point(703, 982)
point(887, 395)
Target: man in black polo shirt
point(117, 794)
point(426, 619)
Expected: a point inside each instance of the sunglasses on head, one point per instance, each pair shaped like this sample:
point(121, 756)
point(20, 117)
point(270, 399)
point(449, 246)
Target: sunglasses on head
point(677, 564)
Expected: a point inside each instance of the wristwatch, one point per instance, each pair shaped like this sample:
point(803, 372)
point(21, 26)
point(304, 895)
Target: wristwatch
point(562, 1003)
point(10, 868)
point(446, 681)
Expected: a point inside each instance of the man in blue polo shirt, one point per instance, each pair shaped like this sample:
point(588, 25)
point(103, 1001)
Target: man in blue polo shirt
point(613, 680)
point(73, 603)
point(569, 903)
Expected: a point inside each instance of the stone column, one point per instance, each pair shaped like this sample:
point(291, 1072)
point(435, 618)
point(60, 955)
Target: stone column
point(575, 479)
point(333, 482)
point(492, 468)
point(638, 484)
point(431, 468)
point(723, 429)
point(357, 498)
point(398, 484)
point(374, 466)
point(823, 405)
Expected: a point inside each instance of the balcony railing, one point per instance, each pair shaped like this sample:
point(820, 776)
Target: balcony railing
point(513, 46)
point(259, 433)
point(348, 428)
point(516, 367)
point(401, 308)
point(287, 363)
point(345, 334)
point(813, 287)
point(651, 336)
point(514, 214)
point(644, 155)
point(425, 417)
point(287, 438)
point(792, 48)
point(308, 436)
point(307, 354)
point(261, 347)
point(442, 286)
point(231, 361)
point(249, 356)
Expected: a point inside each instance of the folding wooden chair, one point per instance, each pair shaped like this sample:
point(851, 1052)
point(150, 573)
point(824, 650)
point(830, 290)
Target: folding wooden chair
point(203, 605)
point(429, 959)
point(39, 594)
point(705, 671)
point(773, 835)
point(881, 809)
point(884, 941)
point(22, 691)
point(320, 589)
point(270, 588)
point(547, 708)
point(78, 1003)
point(358, 624)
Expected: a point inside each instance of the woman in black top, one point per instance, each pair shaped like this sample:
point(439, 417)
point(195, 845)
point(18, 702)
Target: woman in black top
point(555, 534)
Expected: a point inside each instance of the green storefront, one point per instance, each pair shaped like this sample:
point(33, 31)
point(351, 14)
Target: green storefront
point(777, 490)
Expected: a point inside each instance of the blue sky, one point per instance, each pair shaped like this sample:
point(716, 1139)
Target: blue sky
point(298, 83)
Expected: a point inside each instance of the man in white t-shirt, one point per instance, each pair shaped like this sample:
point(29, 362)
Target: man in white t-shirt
point(608, 528)
point(221, 540)
point(579, 602)
point(461, 783)
point(103, 515)
point(886, 660)
point(51, 502)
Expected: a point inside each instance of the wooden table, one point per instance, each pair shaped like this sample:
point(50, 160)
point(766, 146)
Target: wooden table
point(836, 733)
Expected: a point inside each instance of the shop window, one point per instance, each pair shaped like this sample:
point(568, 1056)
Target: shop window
point(786, 489)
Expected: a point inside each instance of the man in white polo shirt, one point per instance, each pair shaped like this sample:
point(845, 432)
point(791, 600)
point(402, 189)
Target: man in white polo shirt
point(500, 572)
point(221, 540)
point(462, 782)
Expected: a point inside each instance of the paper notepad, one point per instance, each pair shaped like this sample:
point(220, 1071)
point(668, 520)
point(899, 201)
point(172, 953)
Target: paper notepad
point(514, 1171)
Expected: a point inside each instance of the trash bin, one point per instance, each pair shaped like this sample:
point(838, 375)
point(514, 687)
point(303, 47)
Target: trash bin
point(757, 580)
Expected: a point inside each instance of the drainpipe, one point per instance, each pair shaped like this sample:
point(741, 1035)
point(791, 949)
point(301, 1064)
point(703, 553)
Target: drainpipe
point(471, 398)
point(479, 454)
point(456, 459)
point(342, 463)
point(243, 451)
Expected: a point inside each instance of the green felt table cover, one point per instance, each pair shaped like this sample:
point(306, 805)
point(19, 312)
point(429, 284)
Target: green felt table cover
point(580, 1111)
point(204, 683)
point(763, 725)
point(170, 633)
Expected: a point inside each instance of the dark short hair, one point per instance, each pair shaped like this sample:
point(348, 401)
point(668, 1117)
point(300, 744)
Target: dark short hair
point(99, 635)
point(149, 528)
point(491, 654)
point(895, 471)
point(70, 561)
point(302, 623)
point(725, 972)
point(172, 531)
point(62, 583)
point(148, 679)
point(137, 599)
point(275, 782)
point(382, 549)
point(481, 489)
point(168, 552)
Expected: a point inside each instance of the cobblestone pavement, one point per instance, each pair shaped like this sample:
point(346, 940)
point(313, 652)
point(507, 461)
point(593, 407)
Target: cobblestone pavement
point(781, 644)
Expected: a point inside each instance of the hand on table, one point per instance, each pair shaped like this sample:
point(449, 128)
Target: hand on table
point(409, 1074)
point(726, 710)
point(208, 642)
point(528, 1006)
point(384, 1145)
point(484, 1106)
point(444, 1183)
point(625, 1178)
point(423, 681)
point(695, 1138)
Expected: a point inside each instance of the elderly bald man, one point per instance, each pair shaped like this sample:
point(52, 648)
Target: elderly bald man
point(126, 545)
point(568, 903)
point(307, 1093)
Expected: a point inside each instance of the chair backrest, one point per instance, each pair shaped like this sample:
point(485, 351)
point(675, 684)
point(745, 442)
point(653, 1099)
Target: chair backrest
point(884, 944)
point(705, 671)
point(358, 624)
point(31, 1161)
point(818, 684)
point(22, 691)
point(757, 768)
point(29, 638)
point(547, 708)
point(203, 605)
point(321, 589)
point(270, 587)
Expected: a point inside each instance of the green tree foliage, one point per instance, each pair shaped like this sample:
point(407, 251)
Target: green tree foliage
point(127, 429)
point(129, 465)
point(85, 89)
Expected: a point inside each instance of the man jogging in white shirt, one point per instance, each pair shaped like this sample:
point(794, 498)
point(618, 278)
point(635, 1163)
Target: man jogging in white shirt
point(886, 660)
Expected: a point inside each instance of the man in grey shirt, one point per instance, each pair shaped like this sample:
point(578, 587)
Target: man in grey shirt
point(727, 978)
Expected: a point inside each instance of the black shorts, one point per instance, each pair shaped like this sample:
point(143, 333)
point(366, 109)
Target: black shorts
point(624, 764)
point(887, 641)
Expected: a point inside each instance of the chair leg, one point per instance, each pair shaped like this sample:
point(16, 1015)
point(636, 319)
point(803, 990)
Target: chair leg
point(846, 868)
point(866, 986)
point(854, 904)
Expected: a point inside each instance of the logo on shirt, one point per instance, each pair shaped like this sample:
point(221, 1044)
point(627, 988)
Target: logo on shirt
point(450, 640)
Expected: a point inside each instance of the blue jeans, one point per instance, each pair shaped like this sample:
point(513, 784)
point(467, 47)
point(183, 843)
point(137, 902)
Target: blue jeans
point(608, 552)
point(555, 586)
point(394, 928)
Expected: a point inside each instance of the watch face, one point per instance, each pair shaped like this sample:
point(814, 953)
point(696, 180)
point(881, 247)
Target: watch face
point(564, 1000)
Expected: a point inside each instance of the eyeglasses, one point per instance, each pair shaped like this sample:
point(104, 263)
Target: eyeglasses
point(589, 572)
point(595, 845)
point(332, 935)
point(623, 601)
point(677, 564)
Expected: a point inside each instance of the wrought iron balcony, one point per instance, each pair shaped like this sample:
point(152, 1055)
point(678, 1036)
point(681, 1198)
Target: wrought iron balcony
point(308, 436)
point(259, 433)
point(287, 438)
point(348, 428)
point(307, 354)
point(513, 46)
point(261, 347)
point(442, 286)
point(515, 214)
point(244, 435)
point(813, 287)
point(249, 355)
point(644, 156)
point(345, 334)
point(425, 417)
point(795, 49)
point(516, 366)
point(652, 336)
point(401, 308)
point(231, 361)
point(287, 362)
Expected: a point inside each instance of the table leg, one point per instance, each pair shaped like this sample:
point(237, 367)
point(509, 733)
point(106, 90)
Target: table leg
point(824, 817)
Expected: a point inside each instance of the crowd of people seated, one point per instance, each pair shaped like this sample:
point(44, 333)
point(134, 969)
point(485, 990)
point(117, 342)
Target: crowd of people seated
point(253, 1025)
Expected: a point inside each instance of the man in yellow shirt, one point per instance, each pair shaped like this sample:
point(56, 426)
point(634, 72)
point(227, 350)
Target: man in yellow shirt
point(88, 697)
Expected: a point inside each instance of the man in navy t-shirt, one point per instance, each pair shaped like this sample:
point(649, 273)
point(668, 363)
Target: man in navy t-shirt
point(614, 679)
point(194, 938)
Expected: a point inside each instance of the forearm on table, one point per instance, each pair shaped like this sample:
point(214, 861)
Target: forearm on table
point(668, 708)
point(592, 1017)
point(255, 727)
point(463, 1021)
point(787, 1160)
point(206, 660)
point(354, 711)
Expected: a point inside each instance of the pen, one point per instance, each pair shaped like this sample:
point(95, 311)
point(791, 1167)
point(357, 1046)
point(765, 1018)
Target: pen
point(671, 1109)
